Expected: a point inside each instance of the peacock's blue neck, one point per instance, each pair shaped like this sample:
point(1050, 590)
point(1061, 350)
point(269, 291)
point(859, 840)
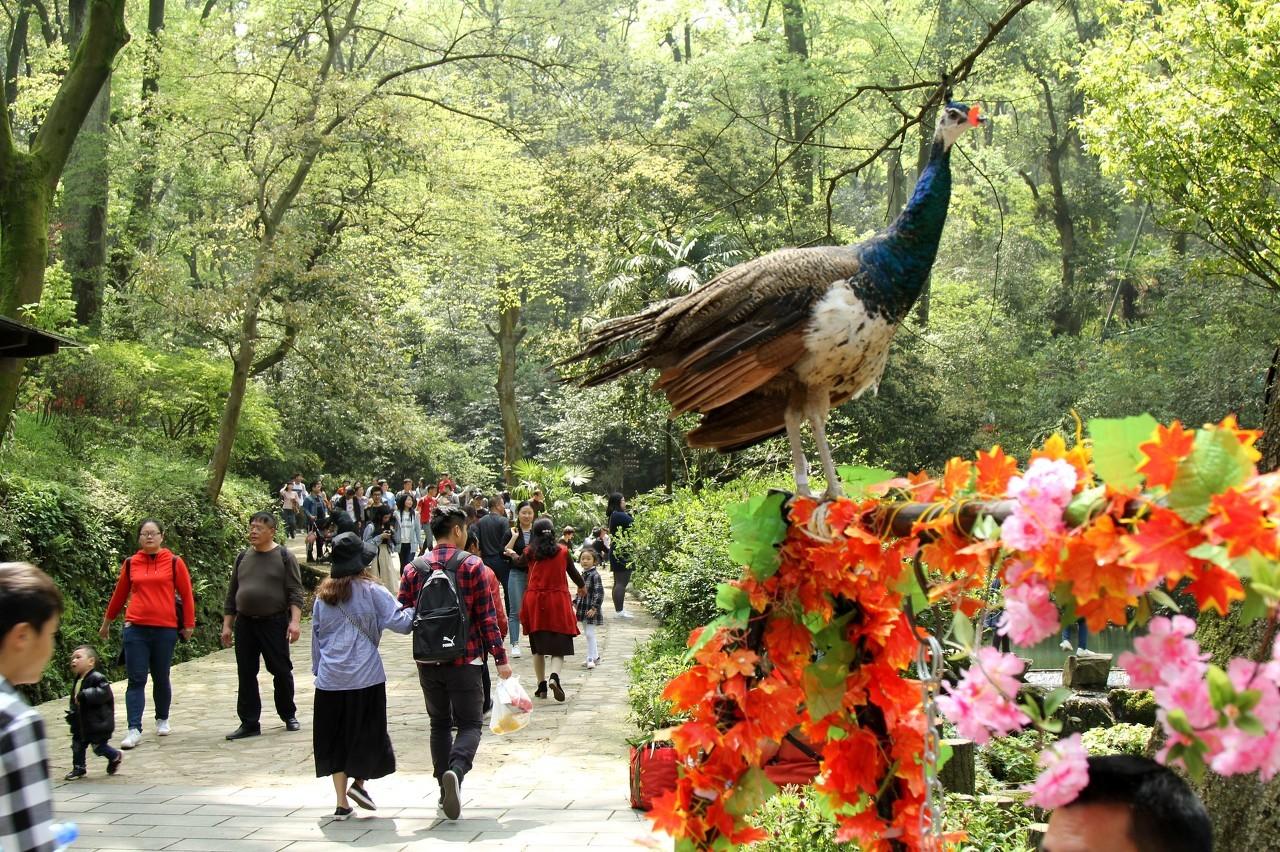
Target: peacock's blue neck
point(901, 257)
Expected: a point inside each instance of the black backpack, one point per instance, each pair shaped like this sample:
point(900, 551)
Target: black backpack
point(440, 622)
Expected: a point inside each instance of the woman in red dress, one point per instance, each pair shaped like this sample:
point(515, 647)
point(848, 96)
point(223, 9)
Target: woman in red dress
point(547, 613)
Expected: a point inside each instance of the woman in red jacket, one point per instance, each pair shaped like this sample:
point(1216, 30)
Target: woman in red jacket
point(153, 581)
point(547, 614)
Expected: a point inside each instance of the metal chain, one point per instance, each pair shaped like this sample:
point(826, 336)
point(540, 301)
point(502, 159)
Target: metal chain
point(929, 667)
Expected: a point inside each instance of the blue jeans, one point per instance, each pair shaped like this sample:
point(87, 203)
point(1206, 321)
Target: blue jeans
point(148, 650)
point(1083, 644)
point(517, 582)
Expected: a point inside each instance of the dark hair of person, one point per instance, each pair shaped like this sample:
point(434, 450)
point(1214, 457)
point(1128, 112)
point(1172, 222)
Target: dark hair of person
point(404, 501)
point(146, 521)
point(1164, 814)
point(263, 518)
point(336, 590)
point(473, 542)
point(297, 476)
point(376, 489)
point(615, 502)
point(91, 652)
point(542, 541)
point(433, 486)
point(522, 504)
point(443, 520)
point(27, 596)
point(497, 503)
point(472, 514)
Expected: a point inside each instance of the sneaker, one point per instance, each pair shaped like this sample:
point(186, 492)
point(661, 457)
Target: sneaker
point(450, 795)
point(1065, 645)
point(361, 797)
point(515, 651)
point(75, 774)
point(590, 664)
point(625, 614)
point(131, 739)
point(162, 727)
point(113, 766)
point(339, 814)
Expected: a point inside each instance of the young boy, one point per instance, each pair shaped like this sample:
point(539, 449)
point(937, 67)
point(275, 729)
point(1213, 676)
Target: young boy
point(30, 607)
point(91, 714)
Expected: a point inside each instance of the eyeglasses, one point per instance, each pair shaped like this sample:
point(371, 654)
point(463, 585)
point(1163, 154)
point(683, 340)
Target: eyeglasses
point(149, 534)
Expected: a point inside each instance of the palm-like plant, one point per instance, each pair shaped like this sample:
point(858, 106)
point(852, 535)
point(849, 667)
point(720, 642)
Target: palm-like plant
point(550, 478)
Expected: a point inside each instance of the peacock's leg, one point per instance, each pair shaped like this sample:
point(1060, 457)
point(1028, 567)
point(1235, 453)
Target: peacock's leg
point(816, 408)
point(794, 417)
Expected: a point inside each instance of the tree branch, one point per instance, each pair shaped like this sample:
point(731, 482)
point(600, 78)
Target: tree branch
point(104, 36)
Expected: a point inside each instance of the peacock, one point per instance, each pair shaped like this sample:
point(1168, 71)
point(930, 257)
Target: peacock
point(779, 340)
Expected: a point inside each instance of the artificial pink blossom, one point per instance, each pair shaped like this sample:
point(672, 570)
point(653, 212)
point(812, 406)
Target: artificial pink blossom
point(1041, 495)
point(1066, 773)
point(1029, 614)
point(1166, 650)
point(981, 703)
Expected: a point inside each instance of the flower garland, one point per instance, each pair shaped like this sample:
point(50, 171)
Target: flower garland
point(817, 636)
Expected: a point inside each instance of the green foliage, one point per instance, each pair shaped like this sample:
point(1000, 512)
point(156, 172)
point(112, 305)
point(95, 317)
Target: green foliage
point(680, 550)
point(80, 525)
point(1012, 759)
point(655, 662)
point(990, 826)
point(795, 823)
point(1118, 739)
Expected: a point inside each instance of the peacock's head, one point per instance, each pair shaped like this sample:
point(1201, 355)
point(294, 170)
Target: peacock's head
point(954, 120)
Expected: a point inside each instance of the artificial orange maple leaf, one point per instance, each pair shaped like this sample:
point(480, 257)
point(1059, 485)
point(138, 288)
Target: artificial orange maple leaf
point(1216, 588)
point(1238, 521)
point(956, 476)
point(1103, 609)
point(995, 469)
point(1246, 437)
point(1161, 543)
point(790, 645)
point(1171, 445)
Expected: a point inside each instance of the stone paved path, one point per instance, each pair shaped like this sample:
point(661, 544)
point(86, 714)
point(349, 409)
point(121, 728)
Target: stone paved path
point(561, 783)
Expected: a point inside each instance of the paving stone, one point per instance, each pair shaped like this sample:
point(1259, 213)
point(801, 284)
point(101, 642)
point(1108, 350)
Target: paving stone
point(560, 783)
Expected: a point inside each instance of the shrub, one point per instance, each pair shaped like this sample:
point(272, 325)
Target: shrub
point(654, 663)
point(989, 826)
point(80, 528)
point(1012, 759)
point(1118, 739)
point(679, 551)
point(795, 824)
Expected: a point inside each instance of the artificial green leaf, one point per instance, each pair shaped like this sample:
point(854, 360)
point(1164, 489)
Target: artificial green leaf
point(1217, 462)
point(730, 598)
point(752, 789)
point(824, 686)
point(1255, 606)
point(1115, 448)
point(985, 528)
point(1250, 725)
point(962, 630)
point(857, 478)
point(1165, 600)
point(945, 753)
point(1221, 692)
point(1215, 553)
point(756, 528)
point(1085, 504)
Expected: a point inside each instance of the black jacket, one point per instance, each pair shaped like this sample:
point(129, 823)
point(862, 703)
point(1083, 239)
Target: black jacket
point(494, 532)
point(94, 718)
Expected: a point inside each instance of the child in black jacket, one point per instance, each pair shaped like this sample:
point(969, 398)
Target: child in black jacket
point(91, 714)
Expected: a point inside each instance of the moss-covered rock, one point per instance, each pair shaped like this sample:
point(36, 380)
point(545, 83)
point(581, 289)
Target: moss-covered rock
point(1135, 706)
point(1085, 711)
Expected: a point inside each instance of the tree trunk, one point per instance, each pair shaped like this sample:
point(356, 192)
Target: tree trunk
point(803, 106)
point(29, 179)
point(136, 235)
point(508, 336)
point(24, 224)
point(84, 196)
point(1067, 315)
point(670, 451)
point(242, 364)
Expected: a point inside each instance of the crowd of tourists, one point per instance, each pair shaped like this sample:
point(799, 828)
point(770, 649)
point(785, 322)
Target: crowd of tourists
point(431, 559)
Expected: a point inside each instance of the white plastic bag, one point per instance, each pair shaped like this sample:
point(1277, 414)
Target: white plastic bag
point(512, 707)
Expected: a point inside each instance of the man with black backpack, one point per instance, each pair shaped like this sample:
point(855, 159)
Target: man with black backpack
point(264, 601)
point(455, 625)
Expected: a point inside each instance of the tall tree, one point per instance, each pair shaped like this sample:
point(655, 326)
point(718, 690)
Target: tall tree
point(28, 178)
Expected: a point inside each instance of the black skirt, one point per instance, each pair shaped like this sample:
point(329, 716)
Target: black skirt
point(349, 732)
point(547, 643)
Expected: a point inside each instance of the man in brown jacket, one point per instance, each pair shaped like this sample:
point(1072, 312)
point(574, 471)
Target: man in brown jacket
point(264, 601)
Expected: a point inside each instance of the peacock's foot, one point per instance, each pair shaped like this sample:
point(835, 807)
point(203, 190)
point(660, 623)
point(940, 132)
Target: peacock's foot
point(832, 493)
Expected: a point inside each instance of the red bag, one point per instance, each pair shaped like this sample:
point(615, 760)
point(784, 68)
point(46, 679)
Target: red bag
point(653, 772)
